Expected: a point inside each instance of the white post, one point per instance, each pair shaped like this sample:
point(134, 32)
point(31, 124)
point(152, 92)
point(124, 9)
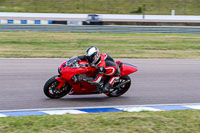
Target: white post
point(172, 12)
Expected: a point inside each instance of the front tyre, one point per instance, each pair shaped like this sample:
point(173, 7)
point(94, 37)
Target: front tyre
point(50, 88)
point(122, 89)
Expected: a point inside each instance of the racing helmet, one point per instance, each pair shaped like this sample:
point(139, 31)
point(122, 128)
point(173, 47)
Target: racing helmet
point(93, 55)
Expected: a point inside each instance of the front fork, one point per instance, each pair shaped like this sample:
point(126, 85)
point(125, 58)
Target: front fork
point(61, 82)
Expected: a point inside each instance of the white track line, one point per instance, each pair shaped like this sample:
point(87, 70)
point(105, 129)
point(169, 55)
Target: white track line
point(195, 105)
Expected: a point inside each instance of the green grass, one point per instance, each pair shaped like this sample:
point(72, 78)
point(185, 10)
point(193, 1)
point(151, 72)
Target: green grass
point(62, 45)
point(142, 122)
point(187, 7)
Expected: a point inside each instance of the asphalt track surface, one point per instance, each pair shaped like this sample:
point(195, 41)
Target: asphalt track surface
point(158, 81)
point(101, 29)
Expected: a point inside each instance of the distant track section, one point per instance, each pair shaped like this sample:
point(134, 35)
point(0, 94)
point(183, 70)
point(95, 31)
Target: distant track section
point(101, 29)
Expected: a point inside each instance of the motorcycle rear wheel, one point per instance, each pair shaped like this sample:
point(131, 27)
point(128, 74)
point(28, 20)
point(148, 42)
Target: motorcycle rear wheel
point(122, 89)
point(51, 91)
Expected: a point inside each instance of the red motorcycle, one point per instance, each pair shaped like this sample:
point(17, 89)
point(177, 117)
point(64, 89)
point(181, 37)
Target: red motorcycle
point(66, 82)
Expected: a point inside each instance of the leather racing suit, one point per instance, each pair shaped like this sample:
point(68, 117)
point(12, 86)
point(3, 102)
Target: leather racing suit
point(105, 66)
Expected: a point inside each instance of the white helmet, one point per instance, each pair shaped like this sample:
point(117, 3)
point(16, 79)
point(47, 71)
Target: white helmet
point(93, 55)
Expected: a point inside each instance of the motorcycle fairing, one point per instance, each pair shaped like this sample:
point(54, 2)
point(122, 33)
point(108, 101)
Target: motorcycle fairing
point(126, 68)
point(61, 82)
point(66, 74)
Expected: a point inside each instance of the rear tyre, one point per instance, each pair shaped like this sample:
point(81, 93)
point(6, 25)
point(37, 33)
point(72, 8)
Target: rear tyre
point(122, 89)
point(50, 88)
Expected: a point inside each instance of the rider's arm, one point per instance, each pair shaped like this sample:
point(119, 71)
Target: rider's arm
point(97, 77)
point(83, 58)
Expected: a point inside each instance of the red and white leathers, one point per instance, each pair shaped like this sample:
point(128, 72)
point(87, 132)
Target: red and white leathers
point(106, 66)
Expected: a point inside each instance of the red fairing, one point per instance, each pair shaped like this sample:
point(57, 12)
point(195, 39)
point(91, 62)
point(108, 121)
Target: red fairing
point(67, 72)
point(61, 82)
point(126, 69)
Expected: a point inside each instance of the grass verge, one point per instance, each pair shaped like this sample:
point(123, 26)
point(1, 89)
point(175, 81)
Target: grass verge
point(133, 45)
point(151, 122)
point(182, 7)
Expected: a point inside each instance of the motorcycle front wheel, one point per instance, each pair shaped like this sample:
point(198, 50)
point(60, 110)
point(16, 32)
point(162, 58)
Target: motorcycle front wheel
point(50, 88)
point(122, 89)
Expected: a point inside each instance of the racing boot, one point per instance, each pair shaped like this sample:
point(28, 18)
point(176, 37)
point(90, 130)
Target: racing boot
point(106, 88)
point(99, 88)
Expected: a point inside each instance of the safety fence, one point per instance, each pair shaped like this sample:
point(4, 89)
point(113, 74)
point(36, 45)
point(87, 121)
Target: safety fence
point(97, 19)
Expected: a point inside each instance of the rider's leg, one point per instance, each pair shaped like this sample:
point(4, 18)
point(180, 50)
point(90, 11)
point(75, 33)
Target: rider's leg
point(109, 84)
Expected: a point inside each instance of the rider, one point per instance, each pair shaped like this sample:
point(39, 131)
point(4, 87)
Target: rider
point(105, 66)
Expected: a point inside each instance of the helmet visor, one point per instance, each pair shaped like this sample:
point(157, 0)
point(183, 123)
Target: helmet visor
point(90, 59)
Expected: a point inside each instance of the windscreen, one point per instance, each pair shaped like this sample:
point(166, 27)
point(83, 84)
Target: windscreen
point(73, 62)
